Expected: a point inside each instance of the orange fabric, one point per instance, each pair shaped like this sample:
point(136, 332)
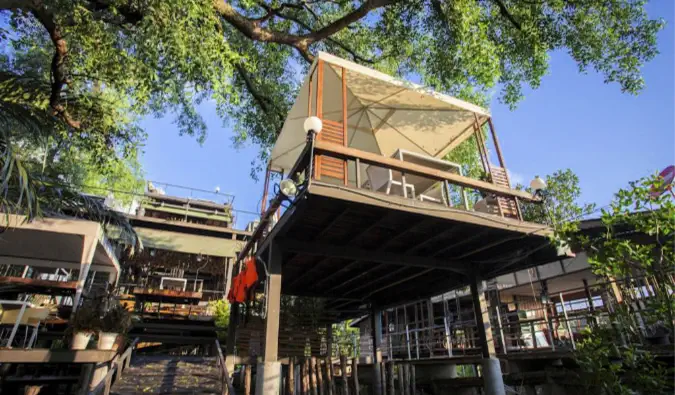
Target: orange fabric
point(243, 282)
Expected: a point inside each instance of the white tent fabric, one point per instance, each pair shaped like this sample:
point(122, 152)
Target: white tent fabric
point(383, 114)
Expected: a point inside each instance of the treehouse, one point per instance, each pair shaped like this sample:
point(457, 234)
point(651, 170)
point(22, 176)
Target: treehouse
point(373, 215)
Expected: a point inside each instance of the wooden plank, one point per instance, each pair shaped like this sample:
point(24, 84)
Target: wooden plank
point(55, 356)
point(36, 283)
point(415, 169)
point(390, 390)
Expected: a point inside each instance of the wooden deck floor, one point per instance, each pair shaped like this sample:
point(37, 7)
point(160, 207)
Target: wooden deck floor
point(169, 375)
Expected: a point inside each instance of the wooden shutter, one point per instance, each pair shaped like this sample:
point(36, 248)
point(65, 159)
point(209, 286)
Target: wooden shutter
point(332, 132)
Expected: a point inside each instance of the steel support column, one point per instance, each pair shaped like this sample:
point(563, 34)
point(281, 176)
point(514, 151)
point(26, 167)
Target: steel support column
point(492, 374)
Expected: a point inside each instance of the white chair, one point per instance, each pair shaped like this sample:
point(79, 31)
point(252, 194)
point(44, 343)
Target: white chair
point(382, 180)
point(433, 194)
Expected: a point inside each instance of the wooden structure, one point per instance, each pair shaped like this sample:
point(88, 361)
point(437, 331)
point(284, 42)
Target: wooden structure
point(363, 249)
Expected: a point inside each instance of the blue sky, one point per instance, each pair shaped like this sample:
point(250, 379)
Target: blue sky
point(572, 121)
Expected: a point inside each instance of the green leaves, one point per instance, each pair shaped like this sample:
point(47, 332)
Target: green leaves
point(126, 59)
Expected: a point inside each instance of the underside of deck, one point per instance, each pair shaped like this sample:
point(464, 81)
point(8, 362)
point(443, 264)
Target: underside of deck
point(356, 247)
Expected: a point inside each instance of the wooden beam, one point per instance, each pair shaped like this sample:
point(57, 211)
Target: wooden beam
point(338, 151)
point(313, 248)
point(55, 356)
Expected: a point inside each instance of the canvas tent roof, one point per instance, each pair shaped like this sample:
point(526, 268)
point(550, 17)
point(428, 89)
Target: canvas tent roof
point(384, 114)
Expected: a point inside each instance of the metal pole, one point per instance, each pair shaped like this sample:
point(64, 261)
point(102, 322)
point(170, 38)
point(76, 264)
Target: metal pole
point(567, 321)
point(447, 335)
point(407, 340)
point(17, 322)
point(501, 329)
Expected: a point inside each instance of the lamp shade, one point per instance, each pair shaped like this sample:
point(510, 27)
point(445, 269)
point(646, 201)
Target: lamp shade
point(288, 188)
point(537, 184)
point(313, 124)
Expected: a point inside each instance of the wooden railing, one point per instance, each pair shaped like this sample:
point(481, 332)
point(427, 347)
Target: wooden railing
point(116, 367)
point(225, 380)
point(346, 153)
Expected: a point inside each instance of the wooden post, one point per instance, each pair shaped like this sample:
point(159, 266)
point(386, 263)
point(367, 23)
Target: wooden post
point(343, 368)
point(355, 375)
point(482, 320)
point(391, 390)
point(305, 376)
point(331, 375)
point(376, 326)
point(412, 380)
point(290, 381)
point(406, 378)
point(247, 379)
point(319, 113)
point(312, 376)
point(344, 117)
point(263, 203)
point(319, 377)
point(401, 384)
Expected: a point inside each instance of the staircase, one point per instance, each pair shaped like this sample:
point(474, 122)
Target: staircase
point(167, 374)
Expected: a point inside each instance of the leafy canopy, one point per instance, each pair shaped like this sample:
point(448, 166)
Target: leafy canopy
point(96, 65)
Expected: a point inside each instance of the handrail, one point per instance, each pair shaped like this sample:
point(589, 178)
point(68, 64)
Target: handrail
point(107, 380)
point(225, 376)
point(334, 150)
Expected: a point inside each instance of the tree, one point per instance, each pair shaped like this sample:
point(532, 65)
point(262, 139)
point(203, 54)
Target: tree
point(101, 61)
point(636, 244)
point(560, 208)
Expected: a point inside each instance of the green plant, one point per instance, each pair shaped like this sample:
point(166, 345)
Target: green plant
point(87, 318)
point(607, 369)
point(117, 320)
point(221, 312)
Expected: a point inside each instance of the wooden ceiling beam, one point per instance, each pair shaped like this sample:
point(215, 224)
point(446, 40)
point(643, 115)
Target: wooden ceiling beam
point(346, 252)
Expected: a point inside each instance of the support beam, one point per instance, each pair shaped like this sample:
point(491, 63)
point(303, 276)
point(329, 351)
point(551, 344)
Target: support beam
point(268, 379)
point(492, 374)
point(334, 251)
point(376, 333)
point(88, 249)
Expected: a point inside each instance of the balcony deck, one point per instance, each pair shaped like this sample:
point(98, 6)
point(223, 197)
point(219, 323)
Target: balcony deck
point(30, 285)
point(166, 295)
point(355, 246)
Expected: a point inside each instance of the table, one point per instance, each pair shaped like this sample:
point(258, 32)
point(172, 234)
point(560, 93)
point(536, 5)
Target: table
point(389, 181)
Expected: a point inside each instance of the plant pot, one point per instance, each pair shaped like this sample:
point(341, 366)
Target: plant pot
point(106, 340)
point(80, 340)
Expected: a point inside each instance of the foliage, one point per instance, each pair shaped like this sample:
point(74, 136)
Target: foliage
point(221, 312)
point(638, 242)
point(346, 339)
point(90, 68)
point(607, 369)
point(117, 319)
point(560, 208)
point(87, 318)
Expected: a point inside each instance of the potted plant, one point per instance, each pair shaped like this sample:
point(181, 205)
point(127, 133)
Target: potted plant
point(83, 323)
point(116, 321)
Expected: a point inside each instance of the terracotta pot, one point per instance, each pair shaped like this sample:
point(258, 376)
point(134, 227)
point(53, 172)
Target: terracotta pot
point(106, 340)
point(80, 340)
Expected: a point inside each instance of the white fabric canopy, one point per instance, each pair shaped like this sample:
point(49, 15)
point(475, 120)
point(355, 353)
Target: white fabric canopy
point(383, 114)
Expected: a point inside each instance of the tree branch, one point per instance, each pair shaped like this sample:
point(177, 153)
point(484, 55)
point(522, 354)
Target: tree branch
point(58, 66)
point(250, 87)
point(253, 29)
point(506, 14)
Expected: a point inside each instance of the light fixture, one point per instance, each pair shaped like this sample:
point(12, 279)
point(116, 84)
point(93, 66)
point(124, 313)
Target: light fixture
point(313, 124)
point(537, 184)
point(288, 187)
